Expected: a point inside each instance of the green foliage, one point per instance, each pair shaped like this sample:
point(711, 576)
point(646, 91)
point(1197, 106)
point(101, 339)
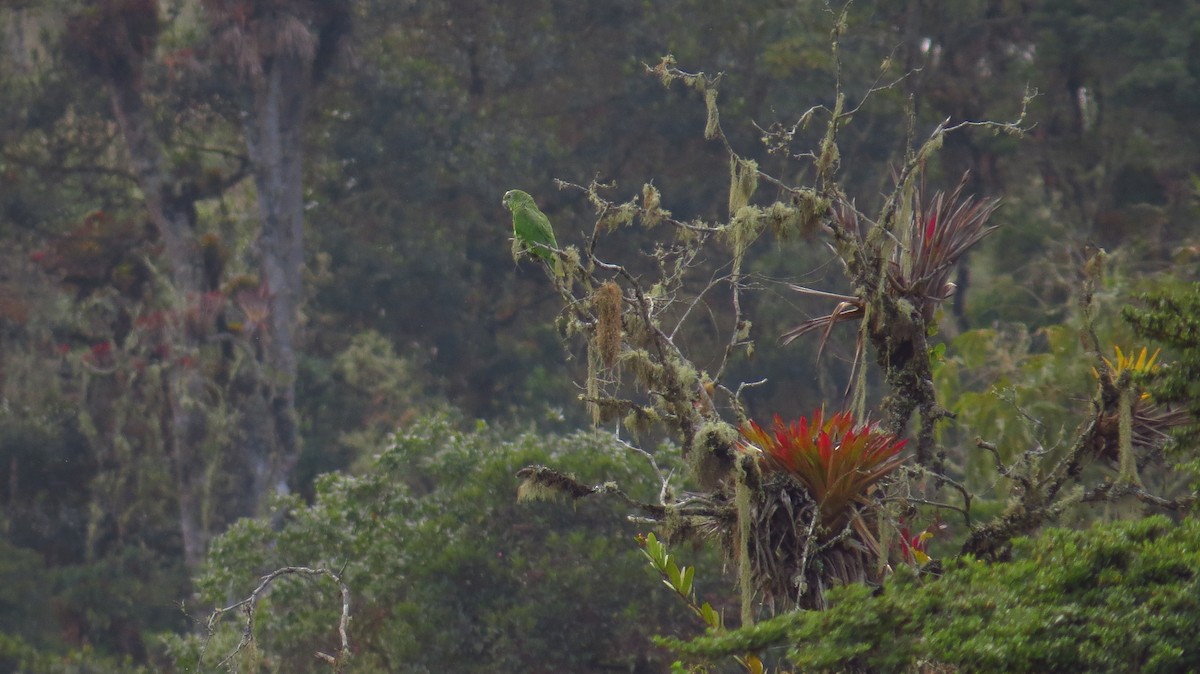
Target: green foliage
point(447, 571)
point(22, 579)
point(679, 578)
point(1172, 317)
point(110, 614)
point(998, 381)
point(17, 655)
point(90, 548)
point(355, 399)
point(1117, 597)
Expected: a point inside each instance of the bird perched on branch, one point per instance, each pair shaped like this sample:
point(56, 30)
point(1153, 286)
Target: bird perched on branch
point(531, 227)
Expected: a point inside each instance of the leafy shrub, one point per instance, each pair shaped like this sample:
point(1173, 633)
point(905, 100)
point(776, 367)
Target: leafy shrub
point(448, 572)
point(1118, 597)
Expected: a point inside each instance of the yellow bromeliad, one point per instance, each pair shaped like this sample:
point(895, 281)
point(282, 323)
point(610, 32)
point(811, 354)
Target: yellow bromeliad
point(1136, 362)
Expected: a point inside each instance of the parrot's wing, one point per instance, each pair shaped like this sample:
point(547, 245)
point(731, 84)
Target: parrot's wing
point(544, 232)
point(532, 227)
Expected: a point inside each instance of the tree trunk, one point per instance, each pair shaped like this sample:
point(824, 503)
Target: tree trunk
point(273, 130)
point(275, 94)
point(275, 78)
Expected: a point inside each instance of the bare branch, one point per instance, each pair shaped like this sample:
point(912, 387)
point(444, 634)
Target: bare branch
point(1110, 491)
point(250, 604)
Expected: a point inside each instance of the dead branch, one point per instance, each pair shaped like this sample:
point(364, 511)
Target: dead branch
point(249, 605)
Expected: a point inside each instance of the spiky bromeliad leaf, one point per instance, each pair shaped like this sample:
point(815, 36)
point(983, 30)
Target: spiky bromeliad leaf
point(1150, 421)
point(935, 235)
point(939, 232)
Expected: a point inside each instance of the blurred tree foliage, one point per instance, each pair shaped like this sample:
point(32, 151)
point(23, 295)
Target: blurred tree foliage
point(1169, 316)
point(448, 571)
point(412, 302)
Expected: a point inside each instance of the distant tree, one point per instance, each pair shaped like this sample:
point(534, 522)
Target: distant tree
point(278, 54)
point(270, 59)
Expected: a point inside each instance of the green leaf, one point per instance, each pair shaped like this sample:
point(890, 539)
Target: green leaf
point(673, 575)
point(710, 616)
point(689, 573)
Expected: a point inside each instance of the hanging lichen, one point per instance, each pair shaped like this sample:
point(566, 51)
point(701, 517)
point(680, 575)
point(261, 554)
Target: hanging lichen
point(743, 180)
point(593, 382)
point(643, 366)
point(711, 459)
point(637, 333)
point(652, 212)
point(829, 156)
point(614, 216)
point(713, 125)
point(813, 209)
point(742, 501)
point(640, 420)
point(747, 222)
point(539, 483)
point(1128, 463)
point(931, 146)
point(607, 300)
point(743, 229)
point(783, 219)
point(569, 260)
point(665, 70)
point(685, 374)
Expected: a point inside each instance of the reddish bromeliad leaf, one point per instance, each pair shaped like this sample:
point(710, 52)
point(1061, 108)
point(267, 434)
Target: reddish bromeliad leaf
point(834, 458)
point(934, 235)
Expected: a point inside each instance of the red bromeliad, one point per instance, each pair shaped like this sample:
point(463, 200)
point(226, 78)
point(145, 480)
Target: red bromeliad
point(834, 458)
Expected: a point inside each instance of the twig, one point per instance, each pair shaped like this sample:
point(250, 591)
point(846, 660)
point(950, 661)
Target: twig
point(945, 506)
point(664, 480)
point(804, 553)
point(712, 283)
point(739, 408)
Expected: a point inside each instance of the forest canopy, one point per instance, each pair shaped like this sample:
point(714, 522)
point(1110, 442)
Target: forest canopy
point(851, 320)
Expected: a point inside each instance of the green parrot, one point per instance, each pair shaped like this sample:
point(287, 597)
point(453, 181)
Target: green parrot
point(531, 226)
